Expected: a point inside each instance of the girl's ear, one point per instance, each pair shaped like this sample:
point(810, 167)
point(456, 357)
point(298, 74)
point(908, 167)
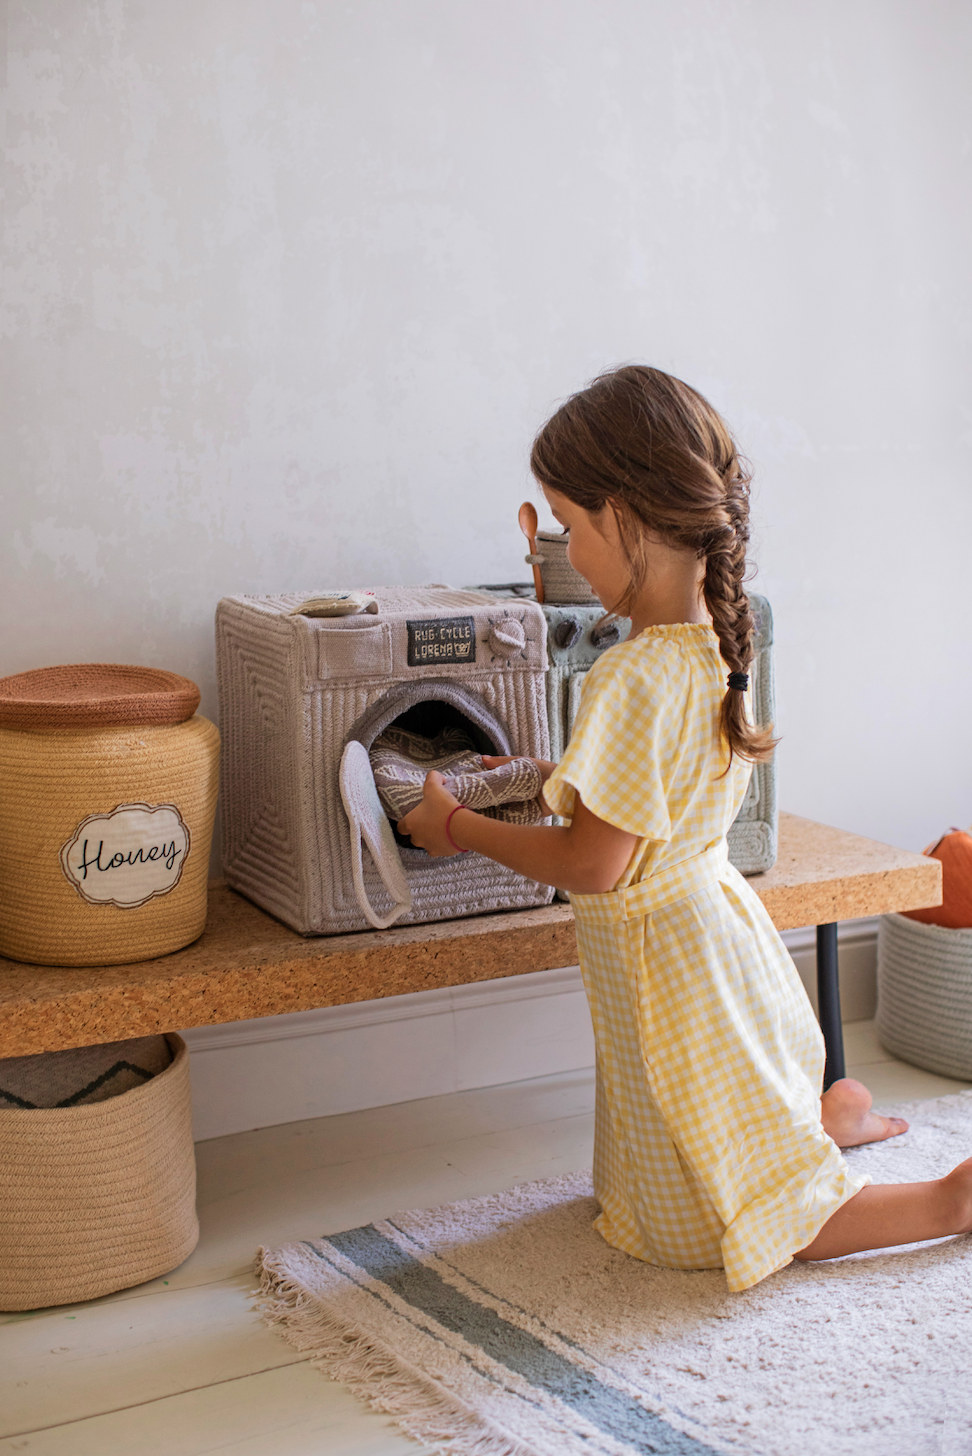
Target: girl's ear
point(613, 505)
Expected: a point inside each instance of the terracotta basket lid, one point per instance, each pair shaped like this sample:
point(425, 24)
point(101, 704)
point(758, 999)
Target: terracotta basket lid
point(95, 695)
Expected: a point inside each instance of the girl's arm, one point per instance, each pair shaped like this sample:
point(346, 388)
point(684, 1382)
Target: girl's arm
point(587, 856)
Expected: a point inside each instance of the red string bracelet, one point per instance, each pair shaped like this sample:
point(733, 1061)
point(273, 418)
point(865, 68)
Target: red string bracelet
point(448, 835)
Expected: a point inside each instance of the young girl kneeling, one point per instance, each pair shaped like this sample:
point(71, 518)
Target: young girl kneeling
point(713, 1146)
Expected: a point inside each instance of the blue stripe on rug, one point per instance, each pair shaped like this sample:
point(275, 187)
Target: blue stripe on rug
point(613, 1412)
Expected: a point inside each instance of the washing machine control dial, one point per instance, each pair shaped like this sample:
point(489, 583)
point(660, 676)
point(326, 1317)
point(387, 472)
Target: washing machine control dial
point(507, 637)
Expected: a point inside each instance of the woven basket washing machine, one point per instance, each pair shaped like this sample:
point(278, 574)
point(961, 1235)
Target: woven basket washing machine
point(301, 701)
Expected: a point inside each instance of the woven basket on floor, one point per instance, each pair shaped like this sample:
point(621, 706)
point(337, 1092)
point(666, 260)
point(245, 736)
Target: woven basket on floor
point(924, 1010)
point(100, 764)
point(99, 1197)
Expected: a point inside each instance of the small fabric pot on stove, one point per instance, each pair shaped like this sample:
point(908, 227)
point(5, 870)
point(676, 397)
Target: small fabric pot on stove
point(561, 583)
point(100, 1196)
point(108, 784)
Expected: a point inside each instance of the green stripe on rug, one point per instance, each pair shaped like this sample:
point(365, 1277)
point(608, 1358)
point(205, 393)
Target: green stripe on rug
point(614, 1413)
point(505, 1326)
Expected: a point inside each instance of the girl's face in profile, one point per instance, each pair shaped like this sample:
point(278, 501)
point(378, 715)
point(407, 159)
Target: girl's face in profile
point(674, 575)
point(594, 548)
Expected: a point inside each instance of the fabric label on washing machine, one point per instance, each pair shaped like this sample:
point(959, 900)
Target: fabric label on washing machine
point(441, 640)
point(127, 857)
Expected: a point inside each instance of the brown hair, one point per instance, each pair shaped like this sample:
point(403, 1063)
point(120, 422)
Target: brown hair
point(659, 455)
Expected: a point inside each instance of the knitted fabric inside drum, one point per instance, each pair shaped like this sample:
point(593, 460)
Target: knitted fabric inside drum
point(82, 1075)
point(400, 760)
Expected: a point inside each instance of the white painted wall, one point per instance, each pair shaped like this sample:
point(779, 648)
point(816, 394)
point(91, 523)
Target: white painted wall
point(288, 287)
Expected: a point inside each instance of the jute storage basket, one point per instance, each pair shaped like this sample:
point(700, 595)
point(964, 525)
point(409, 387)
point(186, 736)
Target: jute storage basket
point(924, 1010)
point(108, 790)
point(97, 1198)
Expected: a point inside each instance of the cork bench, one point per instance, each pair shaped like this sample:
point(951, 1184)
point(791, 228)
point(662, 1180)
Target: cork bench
point(247, 964)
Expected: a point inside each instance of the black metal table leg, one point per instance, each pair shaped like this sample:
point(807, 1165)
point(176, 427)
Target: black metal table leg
point(828, 1002)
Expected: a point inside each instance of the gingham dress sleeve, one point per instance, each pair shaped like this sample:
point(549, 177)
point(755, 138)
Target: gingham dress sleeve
point(613, 757)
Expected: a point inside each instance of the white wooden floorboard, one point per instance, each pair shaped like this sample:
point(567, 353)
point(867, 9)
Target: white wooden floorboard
point(893, 1081)
point(184, 1365)
point(293, 1411)
point(66, 1367)
point(300, 1179)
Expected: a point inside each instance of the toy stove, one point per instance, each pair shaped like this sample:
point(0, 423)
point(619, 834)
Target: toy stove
point(578, 635)
point(302, 699)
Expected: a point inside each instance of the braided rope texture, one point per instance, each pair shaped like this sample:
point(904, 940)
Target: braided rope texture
point(924, 1011)
point(561, 583)
point(50, 782)
point(294, 689)
point(97, 1198)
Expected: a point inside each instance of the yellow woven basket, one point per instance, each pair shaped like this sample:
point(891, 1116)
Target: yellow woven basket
point(97, 1198)
point(105, 828)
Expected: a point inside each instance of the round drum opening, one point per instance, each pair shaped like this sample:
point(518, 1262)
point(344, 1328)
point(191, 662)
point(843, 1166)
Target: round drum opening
point(428, 709)
point(430, 718)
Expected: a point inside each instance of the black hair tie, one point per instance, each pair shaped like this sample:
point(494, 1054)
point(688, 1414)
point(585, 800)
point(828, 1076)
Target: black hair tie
point(739, 681)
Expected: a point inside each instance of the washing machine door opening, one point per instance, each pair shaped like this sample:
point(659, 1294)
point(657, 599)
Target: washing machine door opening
point(427, 709)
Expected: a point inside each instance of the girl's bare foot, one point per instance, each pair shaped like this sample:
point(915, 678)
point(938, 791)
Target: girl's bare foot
point(845, 1110)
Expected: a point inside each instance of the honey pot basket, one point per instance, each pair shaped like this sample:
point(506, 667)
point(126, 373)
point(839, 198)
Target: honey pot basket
point(108, 784)
point(100, 1197)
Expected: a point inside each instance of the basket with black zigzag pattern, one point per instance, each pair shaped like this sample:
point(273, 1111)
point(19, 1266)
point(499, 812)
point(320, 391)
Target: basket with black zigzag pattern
point(99, 1176)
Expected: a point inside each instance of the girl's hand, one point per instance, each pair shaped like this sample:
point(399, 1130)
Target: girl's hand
point(491, 760)
point(425, 825)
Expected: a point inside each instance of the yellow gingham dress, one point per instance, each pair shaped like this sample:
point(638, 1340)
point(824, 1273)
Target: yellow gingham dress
point(709, 1150)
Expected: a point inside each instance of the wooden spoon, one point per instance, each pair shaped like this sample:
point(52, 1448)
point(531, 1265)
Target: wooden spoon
point(527, 517)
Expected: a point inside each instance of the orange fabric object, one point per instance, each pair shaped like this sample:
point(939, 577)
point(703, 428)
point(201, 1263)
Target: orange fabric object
point(954, 850)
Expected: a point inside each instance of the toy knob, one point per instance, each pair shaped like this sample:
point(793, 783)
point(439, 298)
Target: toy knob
point(507, 637)
point(567, 632)
point(606, 632)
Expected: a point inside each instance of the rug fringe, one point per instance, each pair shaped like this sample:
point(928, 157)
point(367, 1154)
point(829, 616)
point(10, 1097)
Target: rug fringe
point(387, 1383)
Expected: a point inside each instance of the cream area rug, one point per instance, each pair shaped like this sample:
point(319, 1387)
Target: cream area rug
point(505, 1326)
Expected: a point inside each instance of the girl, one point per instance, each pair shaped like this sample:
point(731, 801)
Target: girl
point(713, 1146)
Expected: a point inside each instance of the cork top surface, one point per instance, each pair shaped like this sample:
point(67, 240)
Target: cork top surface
point(247, 964)
point(95, 695)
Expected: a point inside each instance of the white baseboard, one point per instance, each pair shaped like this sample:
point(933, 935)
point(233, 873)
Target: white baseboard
point(249, 1074)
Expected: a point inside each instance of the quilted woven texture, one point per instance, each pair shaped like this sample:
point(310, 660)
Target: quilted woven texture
point(400, 761)
point(82, 1075)
point(924, 1011)
point(294, 690)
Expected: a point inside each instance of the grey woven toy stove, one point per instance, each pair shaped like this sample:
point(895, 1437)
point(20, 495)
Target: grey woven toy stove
point(301, 701)
point(576, 638)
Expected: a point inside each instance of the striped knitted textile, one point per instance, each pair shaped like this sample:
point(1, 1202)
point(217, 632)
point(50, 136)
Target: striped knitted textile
point(400, 761)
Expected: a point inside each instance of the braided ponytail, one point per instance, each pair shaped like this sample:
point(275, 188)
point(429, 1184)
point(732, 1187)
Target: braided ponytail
point(651, 447)
point(732, 619)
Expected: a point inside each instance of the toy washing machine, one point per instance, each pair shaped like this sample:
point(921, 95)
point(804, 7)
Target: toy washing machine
point(578, 635)
point(303, 698)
